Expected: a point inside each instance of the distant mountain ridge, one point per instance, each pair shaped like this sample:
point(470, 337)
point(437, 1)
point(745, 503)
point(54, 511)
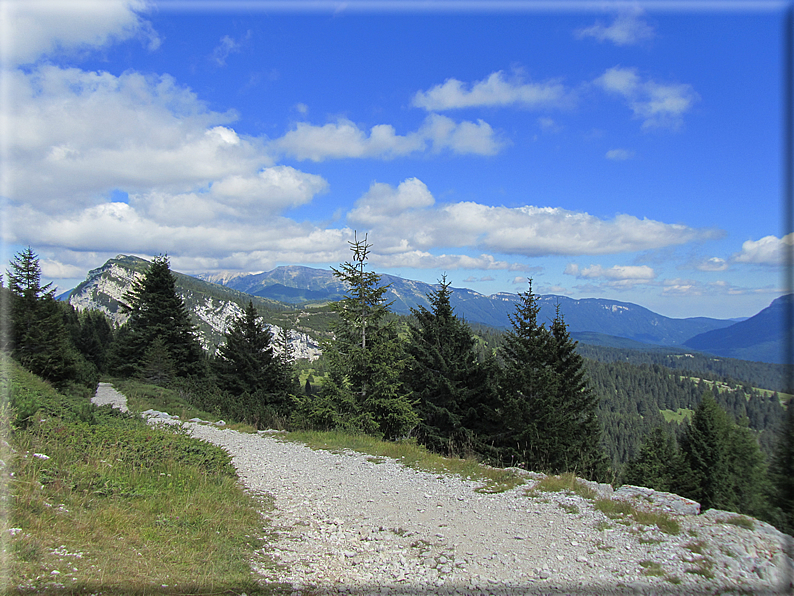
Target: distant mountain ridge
point(215, 298)
point(298, 285)
point(212, 306)
point(761, 337)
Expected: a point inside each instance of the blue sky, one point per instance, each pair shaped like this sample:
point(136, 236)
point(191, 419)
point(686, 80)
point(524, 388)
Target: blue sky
point(625, 151)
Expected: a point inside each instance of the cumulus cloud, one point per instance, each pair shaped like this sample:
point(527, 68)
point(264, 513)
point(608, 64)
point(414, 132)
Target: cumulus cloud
point(619, 154)
point(248, 198)
point(615, 276)
point(344, 139)
point(495, 91)
point(657, 105)
point(627, 29)
point(218, 244)
point(418, 259)
point(33, 29)
point(86, 133)
point(711, 264)
point(769, 250)
point(407, 218)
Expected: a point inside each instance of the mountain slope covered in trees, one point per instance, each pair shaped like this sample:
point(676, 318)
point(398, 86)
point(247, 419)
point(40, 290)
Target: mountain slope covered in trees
point(761, 337)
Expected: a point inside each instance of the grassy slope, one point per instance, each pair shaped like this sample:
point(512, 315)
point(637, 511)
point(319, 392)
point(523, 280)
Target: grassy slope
point(117, 507)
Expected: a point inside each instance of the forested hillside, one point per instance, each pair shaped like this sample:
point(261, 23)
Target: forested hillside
point(525, 397)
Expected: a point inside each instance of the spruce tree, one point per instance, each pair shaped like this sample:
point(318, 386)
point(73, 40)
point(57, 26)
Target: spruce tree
point(156, 310)
point(548, 407)
point(528, 388)
point(578, 427)
point(655, 464)
point(246, 362)
point(364, 389)
point(782, 474)
point(444, 375)
point(704, 474)
point(39, 338)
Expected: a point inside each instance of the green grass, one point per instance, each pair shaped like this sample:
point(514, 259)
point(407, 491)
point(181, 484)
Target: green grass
point(563, 483)
point(141, 397)
point(623, 510)
point(409, 453)
point(678, 416)
point(117, 507)
point(741, 521)
point(573, 509)
point(652, 568)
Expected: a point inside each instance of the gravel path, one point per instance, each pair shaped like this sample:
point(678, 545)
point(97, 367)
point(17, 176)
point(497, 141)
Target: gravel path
point(348, 523)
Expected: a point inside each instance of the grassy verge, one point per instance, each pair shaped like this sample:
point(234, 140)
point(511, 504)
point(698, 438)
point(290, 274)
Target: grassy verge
point(621, 511)
point(142, 397)
point(412, 455)
point(112, 506)
point(564, 482)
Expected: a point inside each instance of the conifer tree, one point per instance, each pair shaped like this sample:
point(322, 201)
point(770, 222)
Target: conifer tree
point(578, 426)
point(782, 474)
point(704, 475)
point(156, 310)
point(655, 464)
point(39, 338)
point(246, 362)
point(365, 360)
point(527, 390)
point(444, 375)
point(549, 409)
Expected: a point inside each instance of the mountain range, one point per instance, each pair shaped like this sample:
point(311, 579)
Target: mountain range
point(214, 298)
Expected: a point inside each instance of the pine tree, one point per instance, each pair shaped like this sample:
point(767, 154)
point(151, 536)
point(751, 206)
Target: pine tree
point(246, 362)
point(39, 338)
point(444, 375)
point(548, 407)
point(654, 465)
point(156, 310)
point(704, 475)
point(578, 428)
point(782, 474)
point(365, 360)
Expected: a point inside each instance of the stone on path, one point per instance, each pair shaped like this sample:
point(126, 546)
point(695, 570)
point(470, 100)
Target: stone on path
point(105, 394)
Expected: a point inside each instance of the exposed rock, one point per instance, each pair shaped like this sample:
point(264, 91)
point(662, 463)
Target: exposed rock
point(667, 502)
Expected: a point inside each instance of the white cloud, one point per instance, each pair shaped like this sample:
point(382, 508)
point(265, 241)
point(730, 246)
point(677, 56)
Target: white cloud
point(219, 244)
point(31, 29)
point(344, 139)
point(248, 198)
point(639, 272)
point(417, 259)
point(86, 133)
point(54, 269)
point(769, 250)
point(712, 264)
point(658, 105)
point(529, 231)
point(224, 49)
point(619, 154)
point(615, 276)
point(691, 287)
point(626, 29)
point(493, 91)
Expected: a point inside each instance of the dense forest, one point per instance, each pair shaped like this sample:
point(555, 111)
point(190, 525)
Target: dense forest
point(711, 429)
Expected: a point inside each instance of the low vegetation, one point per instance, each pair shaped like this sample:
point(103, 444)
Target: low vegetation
point(99, 501)
point(409, 453)
point(625, 512)
point(562, 482)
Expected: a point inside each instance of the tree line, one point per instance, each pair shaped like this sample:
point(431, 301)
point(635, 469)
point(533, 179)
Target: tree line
point(525, 398)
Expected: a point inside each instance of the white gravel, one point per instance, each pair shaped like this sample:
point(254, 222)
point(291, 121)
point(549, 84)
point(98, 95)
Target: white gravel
point(348, 523)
